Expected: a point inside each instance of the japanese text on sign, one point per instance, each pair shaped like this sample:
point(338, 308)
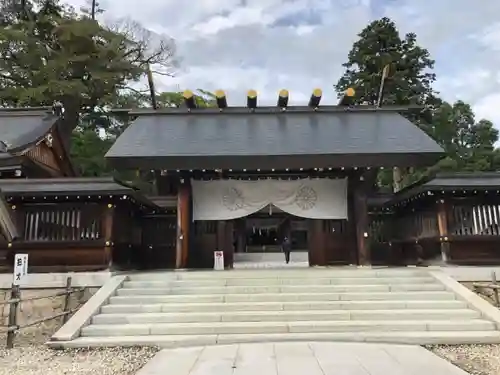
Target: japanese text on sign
point(20, 268)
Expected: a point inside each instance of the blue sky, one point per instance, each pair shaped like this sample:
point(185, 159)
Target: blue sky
point(267, 45)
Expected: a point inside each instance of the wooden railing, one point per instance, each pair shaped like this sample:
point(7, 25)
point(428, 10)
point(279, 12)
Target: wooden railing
point(15, 303)
point(416, 225)
point(475, 220)
point(61, 222)
point(58, 237)
point(474, 233)
point(472, 236)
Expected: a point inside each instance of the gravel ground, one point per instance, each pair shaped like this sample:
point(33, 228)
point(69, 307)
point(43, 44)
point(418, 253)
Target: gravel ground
point(475, 359)
point(31, 356)
point(38, 359)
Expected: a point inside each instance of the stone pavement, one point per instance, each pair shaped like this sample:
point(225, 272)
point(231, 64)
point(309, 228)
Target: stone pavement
point(299, 358)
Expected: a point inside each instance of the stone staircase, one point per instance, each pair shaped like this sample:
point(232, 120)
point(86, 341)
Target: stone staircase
point(201, 308)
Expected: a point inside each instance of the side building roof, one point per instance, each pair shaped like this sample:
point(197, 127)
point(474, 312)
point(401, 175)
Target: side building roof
point(460, 184)
point(37, 189)
point(20, 130)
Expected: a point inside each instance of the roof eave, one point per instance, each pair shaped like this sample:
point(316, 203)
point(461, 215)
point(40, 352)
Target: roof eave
point(252, 162)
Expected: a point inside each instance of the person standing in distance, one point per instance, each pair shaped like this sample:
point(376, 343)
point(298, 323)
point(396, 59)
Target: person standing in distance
point(286, 247)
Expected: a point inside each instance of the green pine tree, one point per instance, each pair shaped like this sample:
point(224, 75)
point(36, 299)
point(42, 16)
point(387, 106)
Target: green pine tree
point(410, 75)
point(52, 54)
point(469, 144)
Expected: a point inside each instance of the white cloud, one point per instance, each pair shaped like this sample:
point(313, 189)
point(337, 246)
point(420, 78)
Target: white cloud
point(233, 45)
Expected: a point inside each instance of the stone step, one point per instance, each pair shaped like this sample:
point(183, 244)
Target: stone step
point(211, 328)
point(174, 341)
point(284, 316)
point(279, 273)
point(279, 306)
point(278, 297)
point(280, 281)
point(279, 289)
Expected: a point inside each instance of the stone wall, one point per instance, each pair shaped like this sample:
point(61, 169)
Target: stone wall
point(33, 310)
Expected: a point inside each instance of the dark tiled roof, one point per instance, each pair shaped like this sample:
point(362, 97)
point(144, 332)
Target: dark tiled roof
point(476, 180)
point(378, 200)
point(20, 129)
point(67, 186)
point(450, 182)
point(208, 140)
point(164, 201)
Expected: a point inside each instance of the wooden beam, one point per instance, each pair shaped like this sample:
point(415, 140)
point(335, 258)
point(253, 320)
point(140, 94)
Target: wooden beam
point(229, 245)
point(183, 223)
point(361, 217)
point(240, 229)
point(442, 219)
point(107, 230)
point(361, 184)
point(316, 242)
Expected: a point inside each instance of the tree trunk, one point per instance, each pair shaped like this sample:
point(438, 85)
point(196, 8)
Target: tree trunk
point(71, 119)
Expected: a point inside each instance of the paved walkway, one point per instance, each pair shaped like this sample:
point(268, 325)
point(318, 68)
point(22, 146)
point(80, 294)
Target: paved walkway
point(299, 358)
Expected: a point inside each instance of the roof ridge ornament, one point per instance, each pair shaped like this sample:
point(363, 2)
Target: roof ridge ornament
point(189, 99)
point(252, 99)
point(315, 98)
point(283, 99)
point(220, 98)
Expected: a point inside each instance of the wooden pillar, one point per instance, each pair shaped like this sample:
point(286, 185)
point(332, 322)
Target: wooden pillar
point(316, 245)
point(183, 223)
point(229, 244)
point(442, 219)
point(225, 241)
point(351, 223)
point(107, 230)
point(240, 229)
point(361, 221)
point(221, 238)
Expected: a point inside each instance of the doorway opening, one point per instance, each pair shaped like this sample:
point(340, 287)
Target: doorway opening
point(258, 238)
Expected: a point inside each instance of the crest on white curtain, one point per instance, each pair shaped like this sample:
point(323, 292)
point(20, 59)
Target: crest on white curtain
point(232, 199)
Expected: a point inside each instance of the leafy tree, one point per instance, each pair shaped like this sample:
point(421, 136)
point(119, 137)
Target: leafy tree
point(469, 144)
point(409, 80)
point(410, 75)
point(87, 152)
point(50, 54)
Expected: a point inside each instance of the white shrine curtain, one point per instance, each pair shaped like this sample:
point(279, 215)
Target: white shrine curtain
point(233, 199)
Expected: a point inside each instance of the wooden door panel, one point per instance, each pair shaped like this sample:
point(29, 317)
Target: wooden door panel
point(336, 241)
point(205, 243)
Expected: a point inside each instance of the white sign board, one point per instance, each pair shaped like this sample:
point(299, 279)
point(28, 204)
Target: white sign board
point(20, 268)
point(219, 260)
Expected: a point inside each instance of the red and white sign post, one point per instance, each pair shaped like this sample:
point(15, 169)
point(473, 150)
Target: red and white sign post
point(218, 260)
